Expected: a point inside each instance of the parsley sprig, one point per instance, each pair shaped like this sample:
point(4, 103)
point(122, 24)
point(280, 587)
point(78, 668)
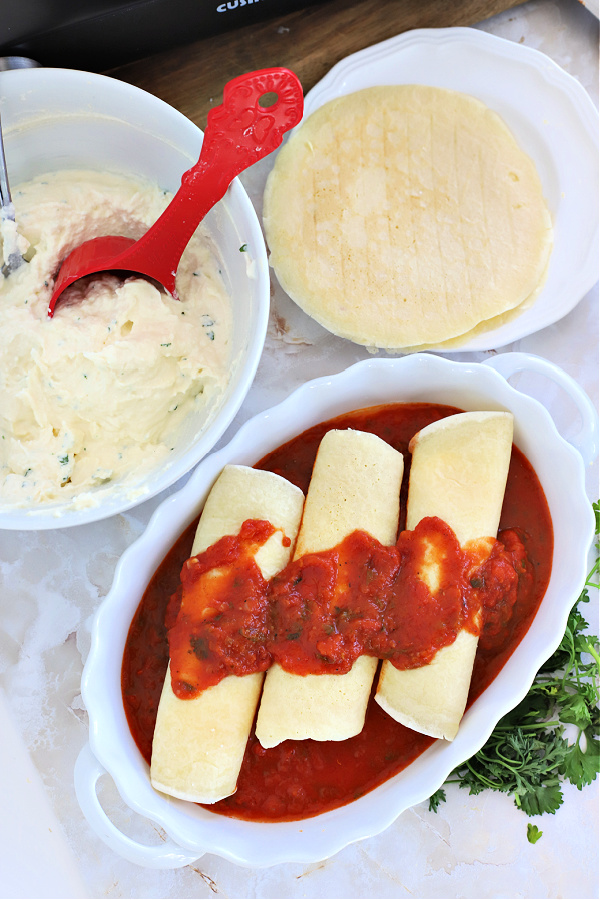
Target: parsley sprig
point(530, 753)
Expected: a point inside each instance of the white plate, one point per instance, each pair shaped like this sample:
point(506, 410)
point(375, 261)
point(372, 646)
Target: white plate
point(551, 116)
point(593, 6)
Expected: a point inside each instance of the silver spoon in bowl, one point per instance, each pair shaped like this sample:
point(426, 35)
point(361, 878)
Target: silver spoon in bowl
point(8, 226)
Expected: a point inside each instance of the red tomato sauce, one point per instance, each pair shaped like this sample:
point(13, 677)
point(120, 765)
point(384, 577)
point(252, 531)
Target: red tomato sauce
point(327, 609)
point(323, 611)
point(217, 620)
point(303, 778)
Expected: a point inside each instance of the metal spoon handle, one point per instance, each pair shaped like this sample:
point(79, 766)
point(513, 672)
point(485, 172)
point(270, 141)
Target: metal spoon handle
point(5, 198)
point(11, 254)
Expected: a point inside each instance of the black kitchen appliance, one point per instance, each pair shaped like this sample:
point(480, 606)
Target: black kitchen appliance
point(96, 35)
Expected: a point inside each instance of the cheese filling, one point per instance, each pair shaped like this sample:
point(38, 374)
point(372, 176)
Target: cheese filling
point(98, 394)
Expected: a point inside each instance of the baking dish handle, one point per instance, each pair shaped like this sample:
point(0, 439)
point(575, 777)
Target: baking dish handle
point(586, 440)
point(167, 855)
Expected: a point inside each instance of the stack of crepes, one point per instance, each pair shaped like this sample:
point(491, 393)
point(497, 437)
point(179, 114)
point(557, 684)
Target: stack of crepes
point(458, 473)
point(406, 217)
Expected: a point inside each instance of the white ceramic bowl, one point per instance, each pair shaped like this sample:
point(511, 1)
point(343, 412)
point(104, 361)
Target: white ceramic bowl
point(60, 119)
point(193, 830)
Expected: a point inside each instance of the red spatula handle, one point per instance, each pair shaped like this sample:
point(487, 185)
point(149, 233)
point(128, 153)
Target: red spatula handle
point(239, 132)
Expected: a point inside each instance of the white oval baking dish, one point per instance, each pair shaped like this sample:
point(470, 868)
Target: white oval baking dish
point(193, 830)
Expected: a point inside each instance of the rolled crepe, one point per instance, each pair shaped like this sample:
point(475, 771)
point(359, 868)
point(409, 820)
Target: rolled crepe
point(355, 484)
point(199, 743)
point(458, 473)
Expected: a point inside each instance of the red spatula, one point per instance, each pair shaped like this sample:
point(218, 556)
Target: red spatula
point(238, 133)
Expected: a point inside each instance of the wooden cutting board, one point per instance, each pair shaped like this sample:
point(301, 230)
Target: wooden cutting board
point(309, 42)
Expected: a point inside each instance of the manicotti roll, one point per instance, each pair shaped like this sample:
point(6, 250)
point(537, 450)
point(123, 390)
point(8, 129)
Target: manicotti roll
point(355, 484)
point(458, 473)
point(199, 743)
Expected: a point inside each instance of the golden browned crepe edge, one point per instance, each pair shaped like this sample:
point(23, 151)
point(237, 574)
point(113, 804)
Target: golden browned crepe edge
point(484, 327)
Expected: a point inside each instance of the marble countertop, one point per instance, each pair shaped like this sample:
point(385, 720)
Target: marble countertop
point(51, 582)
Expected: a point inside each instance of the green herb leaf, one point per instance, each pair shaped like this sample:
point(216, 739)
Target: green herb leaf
point(582, 767)
point(533, 833)
point(527, 755)
point(436, 799)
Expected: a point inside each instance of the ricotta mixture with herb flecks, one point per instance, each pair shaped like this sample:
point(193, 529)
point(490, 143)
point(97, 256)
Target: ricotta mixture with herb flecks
point(98, 394)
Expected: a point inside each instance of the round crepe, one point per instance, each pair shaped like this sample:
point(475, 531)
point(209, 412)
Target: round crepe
point(406, 215)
